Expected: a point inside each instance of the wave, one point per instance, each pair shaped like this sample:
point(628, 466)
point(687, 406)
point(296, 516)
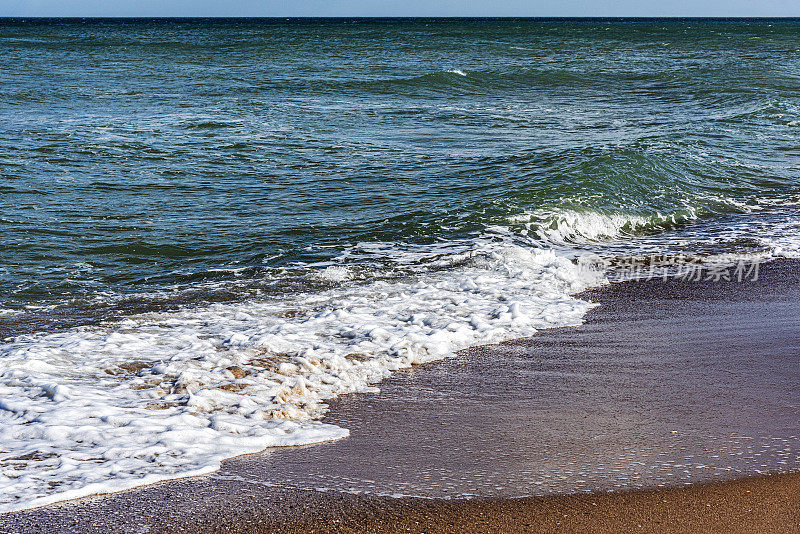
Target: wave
point(211, 124)
point(169, 394)
point(568, 227)
point(173, 392)
point(699, 83)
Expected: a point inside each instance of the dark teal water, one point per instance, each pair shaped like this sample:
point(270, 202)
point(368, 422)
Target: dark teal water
point(198, 160)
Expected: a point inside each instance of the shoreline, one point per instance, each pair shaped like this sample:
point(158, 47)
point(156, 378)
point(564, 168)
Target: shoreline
point(244, 497)
point(755, 504)
point(763, 503)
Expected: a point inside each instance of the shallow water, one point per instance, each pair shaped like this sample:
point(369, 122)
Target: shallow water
point(665, 385)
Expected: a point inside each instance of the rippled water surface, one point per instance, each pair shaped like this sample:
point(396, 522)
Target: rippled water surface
point(142, 155)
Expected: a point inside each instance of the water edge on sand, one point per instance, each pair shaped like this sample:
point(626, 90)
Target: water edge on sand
point(665, 384)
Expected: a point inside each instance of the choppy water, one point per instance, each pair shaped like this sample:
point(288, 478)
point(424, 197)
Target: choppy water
point(232, 221)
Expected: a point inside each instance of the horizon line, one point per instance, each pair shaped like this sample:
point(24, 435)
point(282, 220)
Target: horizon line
point(405, 17)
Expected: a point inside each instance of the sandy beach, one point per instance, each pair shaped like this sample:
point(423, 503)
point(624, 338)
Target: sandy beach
point(764, 504)
point(661, 413)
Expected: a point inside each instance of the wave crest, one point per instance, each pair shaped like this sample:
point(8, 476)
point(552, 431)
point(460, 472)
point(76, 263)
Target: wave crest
point(571, 227)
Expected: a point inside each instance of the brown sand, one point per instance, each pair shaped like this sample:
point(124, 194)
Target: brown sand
point(764, 504)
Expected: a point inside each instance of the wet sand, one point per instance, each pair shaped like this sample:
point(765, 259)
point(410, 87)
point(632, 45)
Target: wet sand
point(666, 384)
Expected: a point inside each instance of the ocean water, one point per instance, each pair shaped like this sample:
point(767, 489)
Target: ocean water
point(209, 227)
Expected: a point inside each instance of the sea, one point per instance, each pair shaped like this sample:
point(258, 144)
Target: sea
point(209, 227)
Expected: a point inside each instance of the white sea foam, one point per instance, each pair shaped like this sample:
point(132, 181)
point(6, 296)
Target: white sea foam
point(565, 227)
point(781, 238)
point(165, 395)
point(457, 71)
point(774, 224)
point(334, 273)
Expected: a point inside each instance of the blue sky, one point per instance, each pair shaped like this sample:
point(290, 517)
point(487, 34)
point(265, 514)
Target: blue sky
point(281, 8)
